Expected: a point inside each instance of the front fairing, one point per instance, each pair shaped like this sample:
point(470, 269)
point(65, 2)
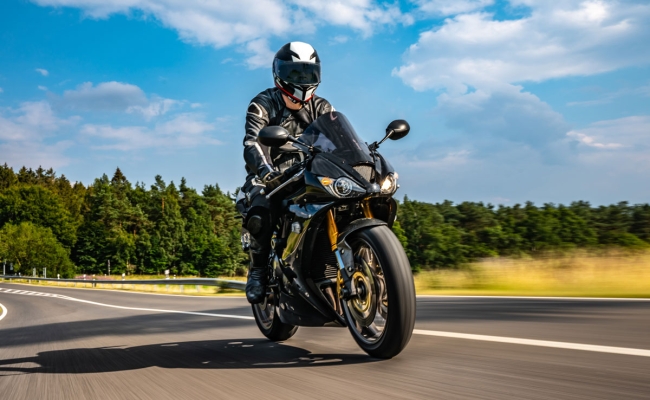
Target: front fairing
point(382, 167)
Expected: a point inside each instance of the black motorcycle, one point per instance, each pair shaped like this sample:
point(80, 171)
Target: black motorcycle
point(335, 260)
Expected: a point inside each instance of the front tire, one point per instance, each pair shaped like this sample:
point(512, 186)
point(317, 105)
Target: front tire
point(382, 316)
point(267, 319)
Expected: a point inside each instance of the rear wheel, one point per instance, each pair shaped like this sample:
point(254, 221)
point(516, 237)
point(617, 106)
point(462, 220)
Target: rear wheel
point(382, 315)
point(267, 319)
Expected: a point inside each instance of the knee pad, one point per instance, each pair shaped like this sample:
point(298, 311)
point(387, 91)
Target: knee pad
point(255, 225)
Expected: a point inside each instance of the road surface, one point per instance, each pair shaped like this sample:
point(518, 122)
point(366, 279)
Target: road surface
point(58, 343)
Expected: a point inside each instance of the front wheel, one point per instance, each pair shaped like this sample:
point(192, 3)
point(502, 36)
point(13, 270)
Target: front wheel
point(267, 319)
point(382, 314)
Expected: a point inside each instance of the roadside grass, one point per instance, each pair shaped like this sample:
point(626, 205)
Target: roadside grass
point(608, 273)
point(578, 273)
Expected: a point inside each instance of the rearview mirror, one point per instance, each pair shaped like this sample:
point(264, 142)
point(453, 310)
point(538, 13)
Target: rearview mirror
point(397, 129)
point(273, 136)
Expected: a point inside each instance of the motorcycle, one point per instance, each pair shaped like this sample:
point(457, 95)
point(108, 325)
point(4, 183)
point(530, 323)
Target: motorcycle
point(335, 260)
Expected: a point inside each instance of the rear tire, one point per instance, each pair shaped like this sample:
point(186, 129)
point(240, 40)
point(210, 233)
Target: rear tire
point(267, 319)
point(391, 288)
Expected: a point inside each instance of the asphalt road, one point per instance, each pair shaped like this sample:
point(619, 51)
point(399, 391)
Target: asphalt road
point(62, 348)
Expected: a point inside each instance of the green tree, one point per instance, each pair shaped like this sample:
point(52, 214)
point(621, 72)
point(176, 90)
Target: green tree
point(31, 246)
point(41, 206)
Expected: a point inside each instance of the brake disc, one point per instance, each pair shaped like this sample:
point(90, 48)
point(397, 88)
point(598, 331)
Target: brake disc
point(363, 307)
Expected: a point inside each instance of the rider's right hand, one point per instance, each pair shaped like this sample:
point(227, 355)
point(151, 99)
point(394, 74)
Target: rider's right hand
point(271, 180)
point(269, 176)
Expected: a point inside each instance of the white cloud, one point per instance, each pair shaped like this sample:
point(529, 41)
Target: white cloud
point(114, 96)
point(221, 23)
point(1, 90)
point(26, 134)
point(603, 174)
point(631, 134)
point(41, 87)
point(34, 155)
point(262, 55)
point(558, 39)
point(610, 97)
point(42, 71)
point(476, 63)
point(447, 7)
point(105, 96)
point(183, 131)
point(509, 114)
point(339, 39)
point(156, 107)
point(362, 15)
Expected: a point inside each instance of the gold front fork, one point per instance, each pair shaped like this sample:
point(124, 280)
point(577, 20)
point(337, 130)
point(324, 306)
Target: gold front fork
point(341, 277)
point(332, 230)
point(365, 206)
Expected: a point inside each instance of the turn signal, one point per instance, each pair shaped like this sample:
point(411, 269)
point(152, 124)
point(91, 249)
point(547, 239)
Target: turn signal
point(325, 181)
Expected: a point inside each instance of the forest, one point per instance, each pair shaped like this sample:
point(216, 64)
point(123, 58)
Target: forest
point(72, 229)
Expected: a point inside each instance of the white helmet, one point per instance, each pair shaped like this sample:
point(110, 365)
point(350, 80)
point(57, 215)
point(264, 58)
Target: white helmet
point(296, 71)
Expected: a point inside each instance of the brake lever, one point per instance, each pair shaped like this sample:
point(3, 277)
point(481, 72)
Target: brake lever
point(283, 185)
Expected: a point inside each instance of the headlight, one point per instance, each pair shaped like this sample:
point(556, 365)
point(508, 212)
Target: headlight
point(389, 185)
point(341, 187)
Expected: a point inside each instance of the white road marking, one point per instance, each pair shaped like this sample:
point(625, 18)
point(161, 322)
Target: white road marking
point(419, 296)
point(58, 296)
point(541, 343)
point(4, 312)
point(440, 296)
point(220, 296)
point(455, 335)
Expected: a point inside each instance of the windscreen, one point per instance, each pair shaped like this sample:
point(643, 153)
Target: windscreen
point(333, 133)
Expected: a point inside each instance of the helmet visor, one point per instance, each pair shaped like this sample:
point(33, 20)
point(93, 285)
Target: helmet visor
point(298, 73)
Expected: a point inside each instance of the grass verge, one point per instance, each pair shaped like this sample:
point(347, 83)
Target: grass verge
point(576, 274)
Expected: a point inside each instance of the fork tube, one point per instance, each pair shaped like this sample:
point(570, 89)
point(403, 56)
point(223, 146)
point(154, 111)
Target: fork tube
point(365, 206)
point(348, 289)
point(332, 230)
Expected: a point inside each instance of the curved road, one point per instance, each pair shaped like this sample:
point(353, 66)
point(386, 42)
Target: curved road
point(58, 343)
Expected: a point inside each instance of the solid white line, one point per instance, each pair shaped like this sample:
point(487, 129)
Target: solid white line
point(455, 335)
point(419, 296)
point(157, 310)
point(541, 343)
point(434, 296)
point(4, 312)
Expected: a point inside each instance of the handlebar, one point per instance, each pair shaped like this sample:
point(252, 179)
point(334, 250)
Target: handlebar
point(285, 183)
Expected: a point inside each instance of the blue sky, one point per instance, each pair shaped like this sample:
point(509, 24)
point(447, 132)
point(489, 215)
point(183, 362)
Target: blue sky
point(508, 101)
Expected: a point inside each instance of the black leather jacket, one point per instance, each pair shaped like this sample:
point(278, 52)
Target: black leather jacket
point(268, 108)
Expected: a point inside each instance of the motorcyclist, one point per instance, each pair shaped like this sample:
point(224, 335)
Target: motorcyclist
point(293, 105)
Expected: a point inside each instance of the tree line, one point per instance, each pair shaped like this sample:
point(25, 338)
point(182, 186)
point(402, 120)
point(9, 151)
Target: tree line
point(448, 235)
point(48, 221)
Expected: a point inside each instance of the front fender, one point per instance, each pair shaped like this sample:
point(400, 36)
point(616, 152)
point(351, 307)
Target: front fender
point(346, 250)
point(359, 224)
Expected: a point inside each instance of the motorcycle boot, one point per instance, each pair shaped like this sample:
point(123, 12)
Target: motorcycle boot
point(260, 248)
point(257, 276)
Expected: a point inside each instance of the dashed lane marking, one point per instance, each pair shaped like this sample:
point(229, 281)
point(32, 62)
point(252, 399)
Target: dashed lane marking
point(59, 296)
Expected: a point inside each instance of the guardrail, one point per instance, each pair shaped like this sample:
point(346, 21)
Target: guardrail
point(222, 283)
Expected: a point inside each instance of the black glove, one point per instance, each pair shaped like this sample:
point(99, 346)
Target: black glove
point(272, 180)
